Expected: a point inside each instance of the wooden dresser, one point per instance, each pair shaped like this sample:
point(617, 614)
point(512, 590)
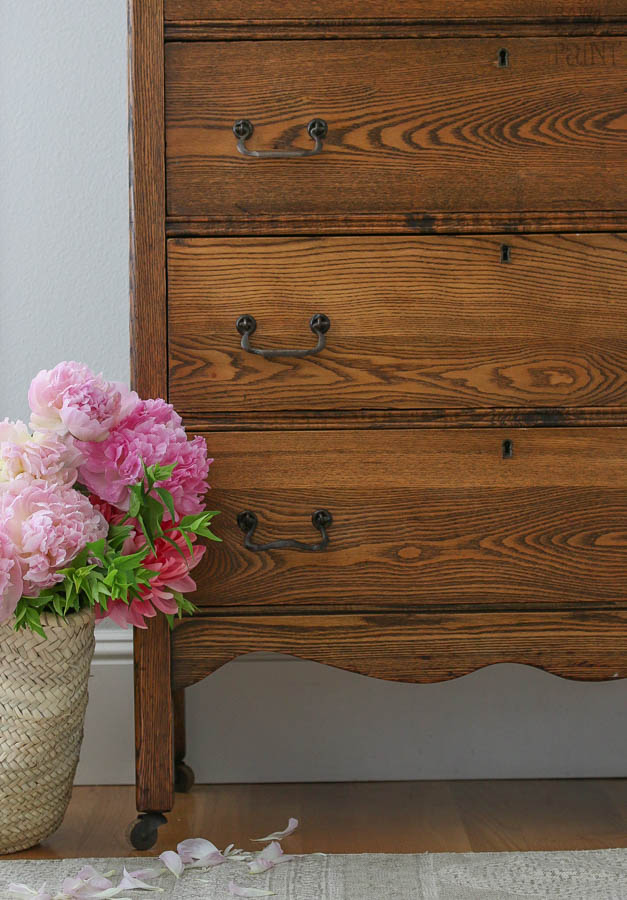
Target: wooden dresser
point(379, 259)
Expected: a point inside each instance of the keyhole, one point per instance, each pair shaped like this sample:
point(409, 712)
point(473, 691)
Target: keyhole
point(508, 449)
point(506, 253)
point(503, 58)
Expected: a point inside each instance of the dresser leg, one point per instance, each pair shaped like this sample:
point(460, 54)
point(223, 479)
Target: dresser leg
point(183, 774)
point(154, 732)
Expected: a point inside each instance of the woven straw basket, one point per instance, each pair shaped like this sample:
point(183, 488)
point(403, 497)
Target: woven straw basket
point(43, 696)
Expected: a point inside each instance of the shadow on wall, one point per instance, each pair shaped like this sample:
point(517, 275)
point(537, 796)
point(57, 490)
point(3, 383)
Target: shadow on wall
point(271, 718)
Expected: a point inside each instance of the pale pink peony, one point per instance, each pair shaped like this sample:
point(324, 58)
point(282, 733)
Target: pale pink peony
point(49, 524)
point(10, 576)
point(151, 434)
point(172, 570)
point(43, 454)
point(71, 399)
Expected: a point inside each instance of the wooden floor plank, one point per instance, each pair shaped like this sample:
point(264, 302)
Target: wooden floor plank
point(384, 817)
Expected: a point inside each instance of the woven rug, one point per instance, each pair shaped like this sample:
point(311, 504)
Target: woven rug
point(586, 875)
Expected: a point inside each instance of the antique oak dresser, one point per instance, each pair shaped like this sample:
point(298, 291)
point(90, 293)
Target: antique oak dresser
point(379, 257)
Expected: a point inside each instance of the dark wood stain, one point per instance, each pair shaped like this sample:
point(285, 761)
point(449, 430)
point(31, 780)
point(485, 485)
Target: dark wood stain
point(153, 699)
point(433, 125)
point(243, 12)
point(412, 648)
point(446, 552)
point(433, 322)
point(421, 519)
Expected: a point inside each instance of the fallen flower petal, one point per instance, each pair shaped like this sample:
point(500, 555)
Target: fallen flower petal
point(92, 887)
point(272, 856)
point(292, 825)
point(236, 855)
point(23, 890)
point(145, 874)
point(207, 862)
point(173, 862)
point(238, 891)
point(195, 848)
point(75, 889)
point(94, 879)
point(135, 881)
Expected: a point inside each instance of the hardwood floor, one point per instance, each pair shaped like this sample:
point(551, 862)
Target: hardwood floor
point(382, 817)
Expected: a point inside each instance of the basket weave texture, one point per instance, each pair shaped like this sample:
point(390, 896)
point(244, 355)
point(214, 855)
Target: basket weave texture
point(43, 697)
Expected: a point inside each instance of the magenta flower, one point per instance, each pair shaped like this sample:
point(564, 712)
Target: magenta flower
point(152, 433)
point(43, 454)
point(10, 576)
point(49, 524)
point(71, 399)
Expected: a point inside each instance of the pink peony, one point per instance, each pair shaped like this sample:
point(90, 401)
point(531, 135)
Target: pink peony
point(112, 514)
point(71, 399)
point(49, 524)
point(151, 434)
point(172, 570)
point(10, 577)
point(41, 455)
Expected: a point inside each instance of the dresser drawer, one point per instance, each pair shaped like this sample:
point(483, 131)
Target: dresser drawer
point(421, 133)
point(415, 322)
point(421, 519)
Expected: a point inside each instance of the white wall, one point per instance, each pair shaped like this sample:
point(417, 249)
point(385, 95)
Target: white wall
point(63, 290)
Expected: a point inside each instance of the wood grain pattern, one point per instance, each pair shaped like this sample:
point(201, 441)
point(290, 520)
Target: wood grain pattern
point(416, 322)
point(412, 648)
point(372, 29)
point(153, 702)
point(536, 221)
point(375, 420)
point(416, 129)
point(422, 519)
point(279, 11)
point(419, 816)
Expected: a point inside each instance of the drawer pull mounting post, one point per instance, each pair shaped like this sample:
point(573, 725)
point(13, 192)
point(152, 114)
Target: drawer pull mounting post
point(317, 130)
point(319, 324)
point(321, 520)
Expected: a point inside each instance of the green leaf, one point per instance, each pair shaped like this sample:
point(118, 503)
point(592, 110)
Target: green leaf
point(33, 621)
point(162, 473)
point(96, 550)
point(168, 502)
point(198, 519)
point(117, 535)
point(57, 605)
point(135, 502)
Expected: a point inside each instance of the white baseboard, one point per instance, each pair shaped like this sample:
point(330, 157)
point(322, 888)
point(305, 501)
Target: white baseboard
point(113, 646)
point(293, 720)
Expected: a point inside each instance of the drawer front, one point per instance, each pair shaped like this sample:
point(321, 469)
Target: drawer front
point(421, 519)
point(244, 11)
point(416, 129)
point(416, 322)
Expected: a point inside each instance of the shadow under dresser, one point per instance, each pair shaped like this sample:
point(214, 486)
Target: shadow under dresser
point(379, 261)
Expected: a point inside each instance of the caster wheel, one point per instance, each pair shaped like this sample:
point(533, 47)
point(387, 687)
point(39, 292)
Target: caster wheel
point(183, 778)
point(143, 834)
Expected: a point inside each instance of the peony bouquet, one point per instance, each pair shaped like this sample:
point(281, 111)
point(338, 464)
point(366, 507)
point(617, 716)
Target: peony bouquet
point(101, 504)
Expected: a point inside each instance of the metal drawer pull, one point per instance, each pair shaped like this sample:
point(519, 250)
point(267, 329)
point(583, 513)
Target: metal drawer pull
point(317, 131)
point(321, 520)
point(319, 324)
